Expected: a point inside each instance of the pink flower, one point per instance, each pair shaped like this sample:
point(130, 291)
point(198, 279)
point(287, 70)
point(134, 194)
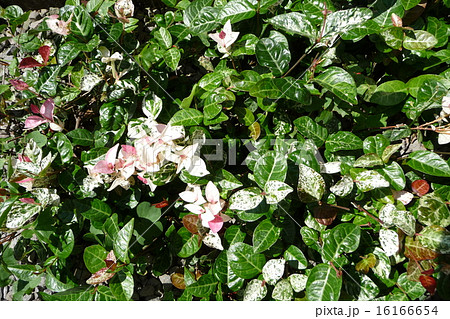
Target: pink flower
point(209, 209)
point(107, 165)
point(59, 26)
point(45, 116)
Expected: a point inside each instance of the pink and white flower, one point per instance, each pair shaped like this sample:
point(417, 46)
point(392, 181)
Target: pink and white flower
point(225, 38)
point(45, 116)
point(59, 26)
point(209, 209)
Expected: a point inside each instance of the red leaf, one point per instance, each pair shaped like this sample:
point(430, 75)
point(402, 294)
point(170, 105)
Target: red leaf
point(19, 85)
point(44, 51)
point(420, 187)
point(29, 63)
point(428, 272)
point(429, 283)
point(325, 214)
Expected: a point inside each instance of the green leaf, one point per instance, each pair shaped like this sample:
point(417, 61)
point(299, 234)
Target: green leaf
point(339, 82)
point(438, 29)
point(94, 258)
point(64, 147)
point(98, 212)
point(409, 4)
point(246, 199)
point(311, 185)
point(81, 22)
point(204, 287)
point(390, 93)
point(375, 144)
point(104, 293)
point(429, 163)
point(62, 244)
point(344, 238)
point(187, 117)
point(293, 89)
point(67, 53)
point(341, 21)
point(419, 40)
point(343, 141)
point(265, 88)
point(323, 284)
point(273, 52)
point(122, 285)
point(310, 129)
point(393, 37)
point(211, 81)
point(122, 241)
point(237, 10)
point(81, 136)
point(223, 272)
point(265, 235)
point(163, 37)
point(394, 175)
point(172, 58)
point(436, 238)
point(272, 166)
point(186, 244)
point(244, 262)
point(47, 83)
point(283, 291)
point(112, 116)
point(82, 293)
point(295, 257)
point(433, 210)
point(413, 289)
point(294, 23)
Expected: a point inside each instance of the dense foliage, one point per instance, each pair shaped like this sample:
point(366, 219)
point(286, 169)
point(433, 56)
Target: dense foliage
point(269, 149)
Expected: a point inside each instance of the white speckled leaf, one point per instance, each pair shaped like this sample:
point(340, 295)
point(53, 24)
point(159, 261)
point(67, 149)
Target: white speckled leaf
point(389, 241)
point(383, 267)
point(330, 167)
point(246, 199)
point(403, 219)
point(369, 180)
point(298, 281)
point(213, 240)
point(46, 196)
point(276, 191)
point(343, 187)
point(311, 185)
point(256, 290)
point(283, 291)
point(436, 238)
point(20, 213)
point(273, 270)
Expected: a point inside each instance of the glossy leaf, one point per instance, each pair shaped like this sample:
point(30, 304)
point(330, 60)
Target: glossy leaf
point(432, 210)
point(343, 140)
point(246, 199)
point(244, 262)
point(339, 82)
point(273, 270)
point(310, 129)
point(429, 163)
point(122, 241)
point(390, 93)
point(311, 185)
point(435, 238)
point(323, 284)
point(270, 167)
point(283, 291)
point(94, 258)
point(187, 117)
point(265, 235)
point(342, 238)
point(256, 290)
point(295, 257)
point(294, 23)
point(273, 52)
point(237, 10)
point(419, 40)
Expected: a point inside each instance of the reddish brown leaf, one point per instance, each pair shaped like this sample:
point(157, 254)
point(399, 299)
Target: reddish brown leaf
point(3, 192)
point(420, 187)
point(429, 283)
point(325, 214)
point(416, 251)
point(44, 51)
point(396, 20)
point(178, 280)
point(19, 85)
point(191, 222)
point(111, 261)
point(28, 63)
point(428, 272)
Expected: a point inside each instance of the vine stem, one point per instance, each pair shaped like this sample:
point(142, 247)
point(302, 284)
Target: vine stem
point(361, 209)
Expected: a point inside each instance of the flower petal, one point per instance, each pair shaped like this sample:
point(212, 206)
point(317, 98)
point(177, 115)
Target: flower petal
point(102, 167)
point(194, 208)
point(188, 196)
point(111, 155)
point(197, 167)
point(216, 224)
point(212, 193)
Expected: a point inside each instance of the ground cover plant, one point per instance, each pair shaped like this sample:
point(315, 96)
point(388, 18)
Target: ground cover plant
point(252, 150)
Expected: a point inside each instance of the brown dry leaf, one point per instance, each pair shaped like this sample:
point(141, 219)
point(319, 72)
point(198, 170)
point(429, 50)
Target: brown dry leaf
point(100, 276)
point(191, 223)
point(325, 214)
point(178, 280)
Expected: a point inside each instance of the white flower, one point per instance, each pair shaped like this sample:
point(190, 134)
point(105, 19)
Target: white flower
point(225, 38)
point(444, 133)
point(124, 9)
point(59, 26)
